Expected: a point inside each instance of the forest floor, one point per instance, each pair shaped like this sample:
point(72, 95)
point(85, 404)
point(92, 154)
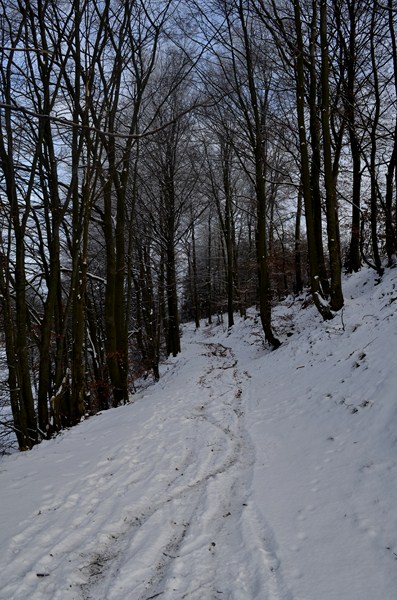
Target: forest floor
point(244, 474)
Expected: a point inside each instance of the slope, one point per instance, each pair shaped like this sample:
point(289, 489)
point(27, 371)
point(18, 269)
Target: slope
point(244, 474)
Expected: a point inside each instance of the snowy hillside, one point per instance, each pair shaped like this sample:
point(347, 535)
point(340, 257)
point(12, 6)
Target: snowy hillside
point(243, 474)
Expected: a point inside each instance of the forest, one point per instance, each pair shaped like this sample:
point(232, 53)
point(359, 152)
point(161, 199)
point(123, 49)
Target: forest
point(165, 161)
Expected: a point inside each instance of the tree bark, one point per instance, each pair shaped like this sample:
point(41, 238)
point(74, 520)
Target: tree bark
point(329, 181)
point(315, 282)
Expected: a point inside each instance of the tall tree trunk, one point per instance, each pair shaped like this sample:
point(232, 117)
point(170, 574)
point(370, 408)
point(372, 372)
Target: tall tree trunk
point(229, 247)
point(265, 296)
point(373, 139)
point(315, 284)
point(315, 142)
point(354, 257)
point(209, 270)
point(353, 261)
point(196, 302)
point(173, 336)
point(330, 186)
point(258, 141)
point(391, 177)
point(114, 354)
point(18, 413)
point(298, 245)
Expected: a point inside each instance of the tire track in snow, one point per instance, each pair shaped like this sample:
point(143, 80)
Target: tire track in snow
point(254, 572)
point(215, 547)
point(185, 496)
point(166, 512)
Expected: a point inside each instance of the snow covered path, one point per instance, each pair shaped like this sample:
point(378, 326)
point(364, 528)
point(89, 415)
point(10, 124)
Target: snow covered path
point(156, 500)
point(241, 475)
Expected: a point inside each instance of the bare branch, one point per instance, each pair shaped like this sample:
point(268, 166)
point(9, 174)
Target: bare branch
point(110, 134)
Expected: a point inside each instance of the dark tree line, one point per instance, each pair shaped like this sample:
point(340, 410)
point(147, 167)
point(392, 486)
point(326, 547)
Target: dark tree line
point(166, 161)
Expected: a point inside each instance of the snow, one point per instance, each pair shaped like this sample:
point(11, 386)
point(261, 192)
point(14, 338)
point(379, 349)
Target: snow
point(243, 474)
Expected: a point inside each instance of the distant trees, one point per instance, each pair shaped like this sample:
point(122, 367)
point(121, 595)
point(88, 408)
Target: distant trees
point(166, 161)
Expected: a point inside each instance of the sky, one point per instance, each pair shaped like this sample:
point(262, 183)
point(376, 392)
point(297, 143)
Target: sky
point(243, 474)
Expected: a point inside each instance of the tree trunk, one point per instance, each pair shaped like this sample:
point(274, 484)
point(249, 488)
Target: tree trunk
point(209, 271)
point(353, 262)
point(298, 248)
point(173, 337)
point(315, 142)
point(391, 177)
point(315, 284)
point(258, 141)
point(373, 138)
point(196, 303)
point(330, 186)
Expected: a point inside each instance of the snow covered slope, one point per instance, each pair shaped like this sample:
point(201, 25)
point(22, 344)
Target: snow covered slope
point(243, 474)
